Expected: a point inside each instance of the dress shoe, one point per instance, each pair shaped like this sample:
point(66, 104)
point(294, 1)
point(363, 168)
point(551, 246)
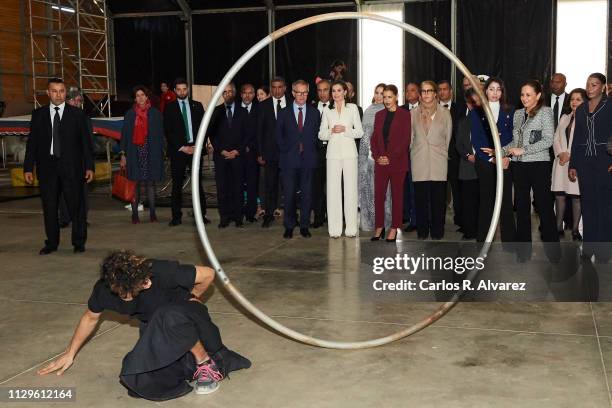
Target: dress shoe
point(174, 223)
point(410, 228)
point(46, 250)
point(422, 237)
point(316, 224)
point(251, 220)
point(223, 223)
point(394, 237)
point(576, 236)
point(135, 220)
point(64, 225)
point(561, 233)
point(239, 224)
point(206, 220)
point(267, 221)
point(79, 249)
point(379, 236)
point(153, 218)
point(305, 233)
point(288, 233)
point(460, 229)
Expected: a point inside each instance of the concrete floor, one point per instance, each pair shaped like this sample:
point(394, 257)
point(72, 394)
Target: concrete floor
point(479, 355)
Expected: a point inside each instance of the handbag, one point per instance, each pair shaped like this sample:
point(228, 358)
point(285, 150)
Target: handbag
point(123, 188)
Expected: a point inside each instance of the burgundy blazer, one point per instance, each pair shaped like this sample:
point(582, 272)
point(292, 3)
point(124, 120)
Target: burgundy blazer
point(398, 148)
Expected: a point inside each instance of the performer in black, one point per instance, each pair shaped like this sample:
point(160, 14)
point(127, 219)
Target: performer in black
point(178, 340)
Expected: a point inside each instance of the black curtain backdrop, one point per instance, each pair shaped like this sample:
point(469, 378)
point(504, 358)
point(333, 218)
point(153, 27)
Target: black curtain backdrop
point(148, 51)
point(219, 40)
point(511, 39)
point(609, 75)
point(310, 51)
point(423, 61)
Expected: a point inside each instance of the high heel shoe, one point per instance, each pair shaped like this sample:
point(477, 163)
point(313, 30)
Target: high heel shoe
point(135, 219)
point(378, 237)
point(394, 238)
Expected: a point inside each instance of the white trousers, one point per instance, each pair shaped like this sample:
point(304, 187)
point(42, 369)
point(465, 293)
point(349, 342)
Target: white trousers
point(337, 169)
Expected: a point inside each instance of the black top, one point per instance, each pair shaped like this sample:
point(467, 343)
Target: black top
point(171, 281)
point(387, 126)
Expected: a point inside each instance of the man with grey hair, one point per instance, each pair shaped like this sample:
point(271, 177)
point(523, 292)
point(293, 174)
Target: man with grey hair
point(229, 136)
point(74, 97)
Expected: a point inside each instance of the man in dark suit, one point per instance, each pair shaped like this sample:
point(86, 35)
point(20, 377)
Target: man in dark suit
point(559, 99)
point(412, 96)
point(229, 136)
point(182, 119)
point(297, 130)
point(251, 167)
point(59, 146)
point(318, 185)
point(267, 147)
point(445, 95)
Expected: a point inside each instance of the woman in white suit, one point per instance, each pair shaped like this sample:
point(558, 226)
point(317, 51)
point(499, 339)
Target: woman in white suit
point(561, 185)
point(340, 126)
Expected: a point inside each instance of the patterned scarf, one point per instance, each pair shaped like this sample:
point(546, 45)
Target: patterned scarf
point(141, 124)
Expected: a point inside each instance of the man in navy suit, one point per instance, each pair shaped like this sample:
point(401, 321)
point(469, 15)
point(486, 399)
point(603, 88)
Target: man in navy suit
point(59, 147)
point(297, 130)
point(229, 136)
point(251, 167)
point(267, 149)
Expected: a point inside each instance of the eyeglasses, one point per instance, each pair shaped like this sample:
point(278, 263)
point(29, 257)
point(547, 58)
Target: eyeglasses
point(427, 91)
point(300, 93)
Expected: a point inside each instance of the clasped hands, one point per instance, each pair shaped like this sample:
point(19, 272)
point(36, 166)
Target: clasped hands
point(506, 160)
point(338, 129)
point(187, 149)
point(383, 161)
point(232, 154)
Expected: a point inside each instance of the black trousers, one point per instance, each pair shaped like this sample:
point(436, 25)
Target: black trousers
point(55, 181)
point(64, 214)
point(319, 204)
point(271, 184)
point(470, 206)
point(251, 184)
point(596, 199)
point(228, 176)
point(487, 178)
point(455, 186)
point(179, 163)
point(534, 176)
point(161, 362)
point(430, 199)
point(292, 179)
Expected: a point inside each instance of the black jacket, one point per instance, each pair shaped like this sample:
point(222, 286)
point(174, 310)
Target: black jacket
point(76, 142)
point(174, 128)
point(224, 136)
point(266, 126)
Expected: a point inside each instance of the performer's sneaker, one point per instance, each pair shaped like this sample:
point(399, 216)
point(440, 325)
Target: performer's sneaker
point(207, 377)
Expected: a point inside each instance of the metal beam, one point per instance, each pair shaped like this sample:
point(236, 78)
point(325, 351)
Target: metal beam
point(148, 14)
point(453, 28)
point(271, 48)
point(229, 10)
point(185, 9)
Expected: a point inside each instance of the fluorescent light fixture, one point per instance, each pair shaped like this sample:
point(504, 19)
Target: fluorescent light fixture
point(62, 8)
point(576, 21)
point(381, 57)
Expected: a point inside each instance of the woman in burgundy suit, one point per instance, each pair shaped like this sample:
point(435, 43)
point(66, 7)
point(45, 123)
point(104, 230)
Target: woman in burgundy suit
point(390, 145)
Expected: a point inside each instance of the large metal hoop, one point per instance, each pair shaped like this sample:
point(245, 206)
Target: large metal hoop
point(195, 178)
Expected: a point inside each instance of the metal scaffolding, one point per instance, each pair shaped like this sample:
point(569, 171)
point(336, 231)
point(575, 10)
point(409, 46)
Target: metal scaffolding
point(69, 40)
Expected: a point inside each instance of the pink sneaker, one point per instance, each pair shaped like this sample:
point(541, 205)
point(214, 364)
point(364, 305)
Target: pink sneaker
point(207, 377)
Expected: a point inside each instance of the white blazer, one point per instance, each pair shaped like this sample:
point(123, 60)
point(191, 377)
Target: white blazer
point(341, 145)
point(560, 179)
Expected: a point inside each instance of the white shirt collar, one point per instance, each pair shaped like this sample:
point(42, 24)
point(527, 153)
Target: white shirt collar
point(61, 107)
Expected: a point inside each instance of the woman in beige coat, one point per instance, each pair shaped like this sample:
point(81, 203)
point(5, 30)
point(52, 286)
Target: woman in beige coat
point(340, 126)
point(561, 185)
point(431, 134)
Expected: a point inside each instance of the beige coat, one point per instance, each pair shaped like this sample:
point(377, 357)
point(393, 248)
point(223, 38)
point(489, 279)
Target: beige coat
point(560, 179)
point(429, 152)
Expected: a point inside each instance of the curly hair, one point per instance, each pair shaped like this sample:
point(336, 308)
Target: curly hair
point(124, 271)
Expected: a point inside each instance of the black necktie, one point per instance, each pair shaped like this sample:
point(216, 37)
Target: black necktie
point(556, 112)
point(324, 105)
point(278, 106)
point(55, 136)
point(446, 105)
point(229, 115)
